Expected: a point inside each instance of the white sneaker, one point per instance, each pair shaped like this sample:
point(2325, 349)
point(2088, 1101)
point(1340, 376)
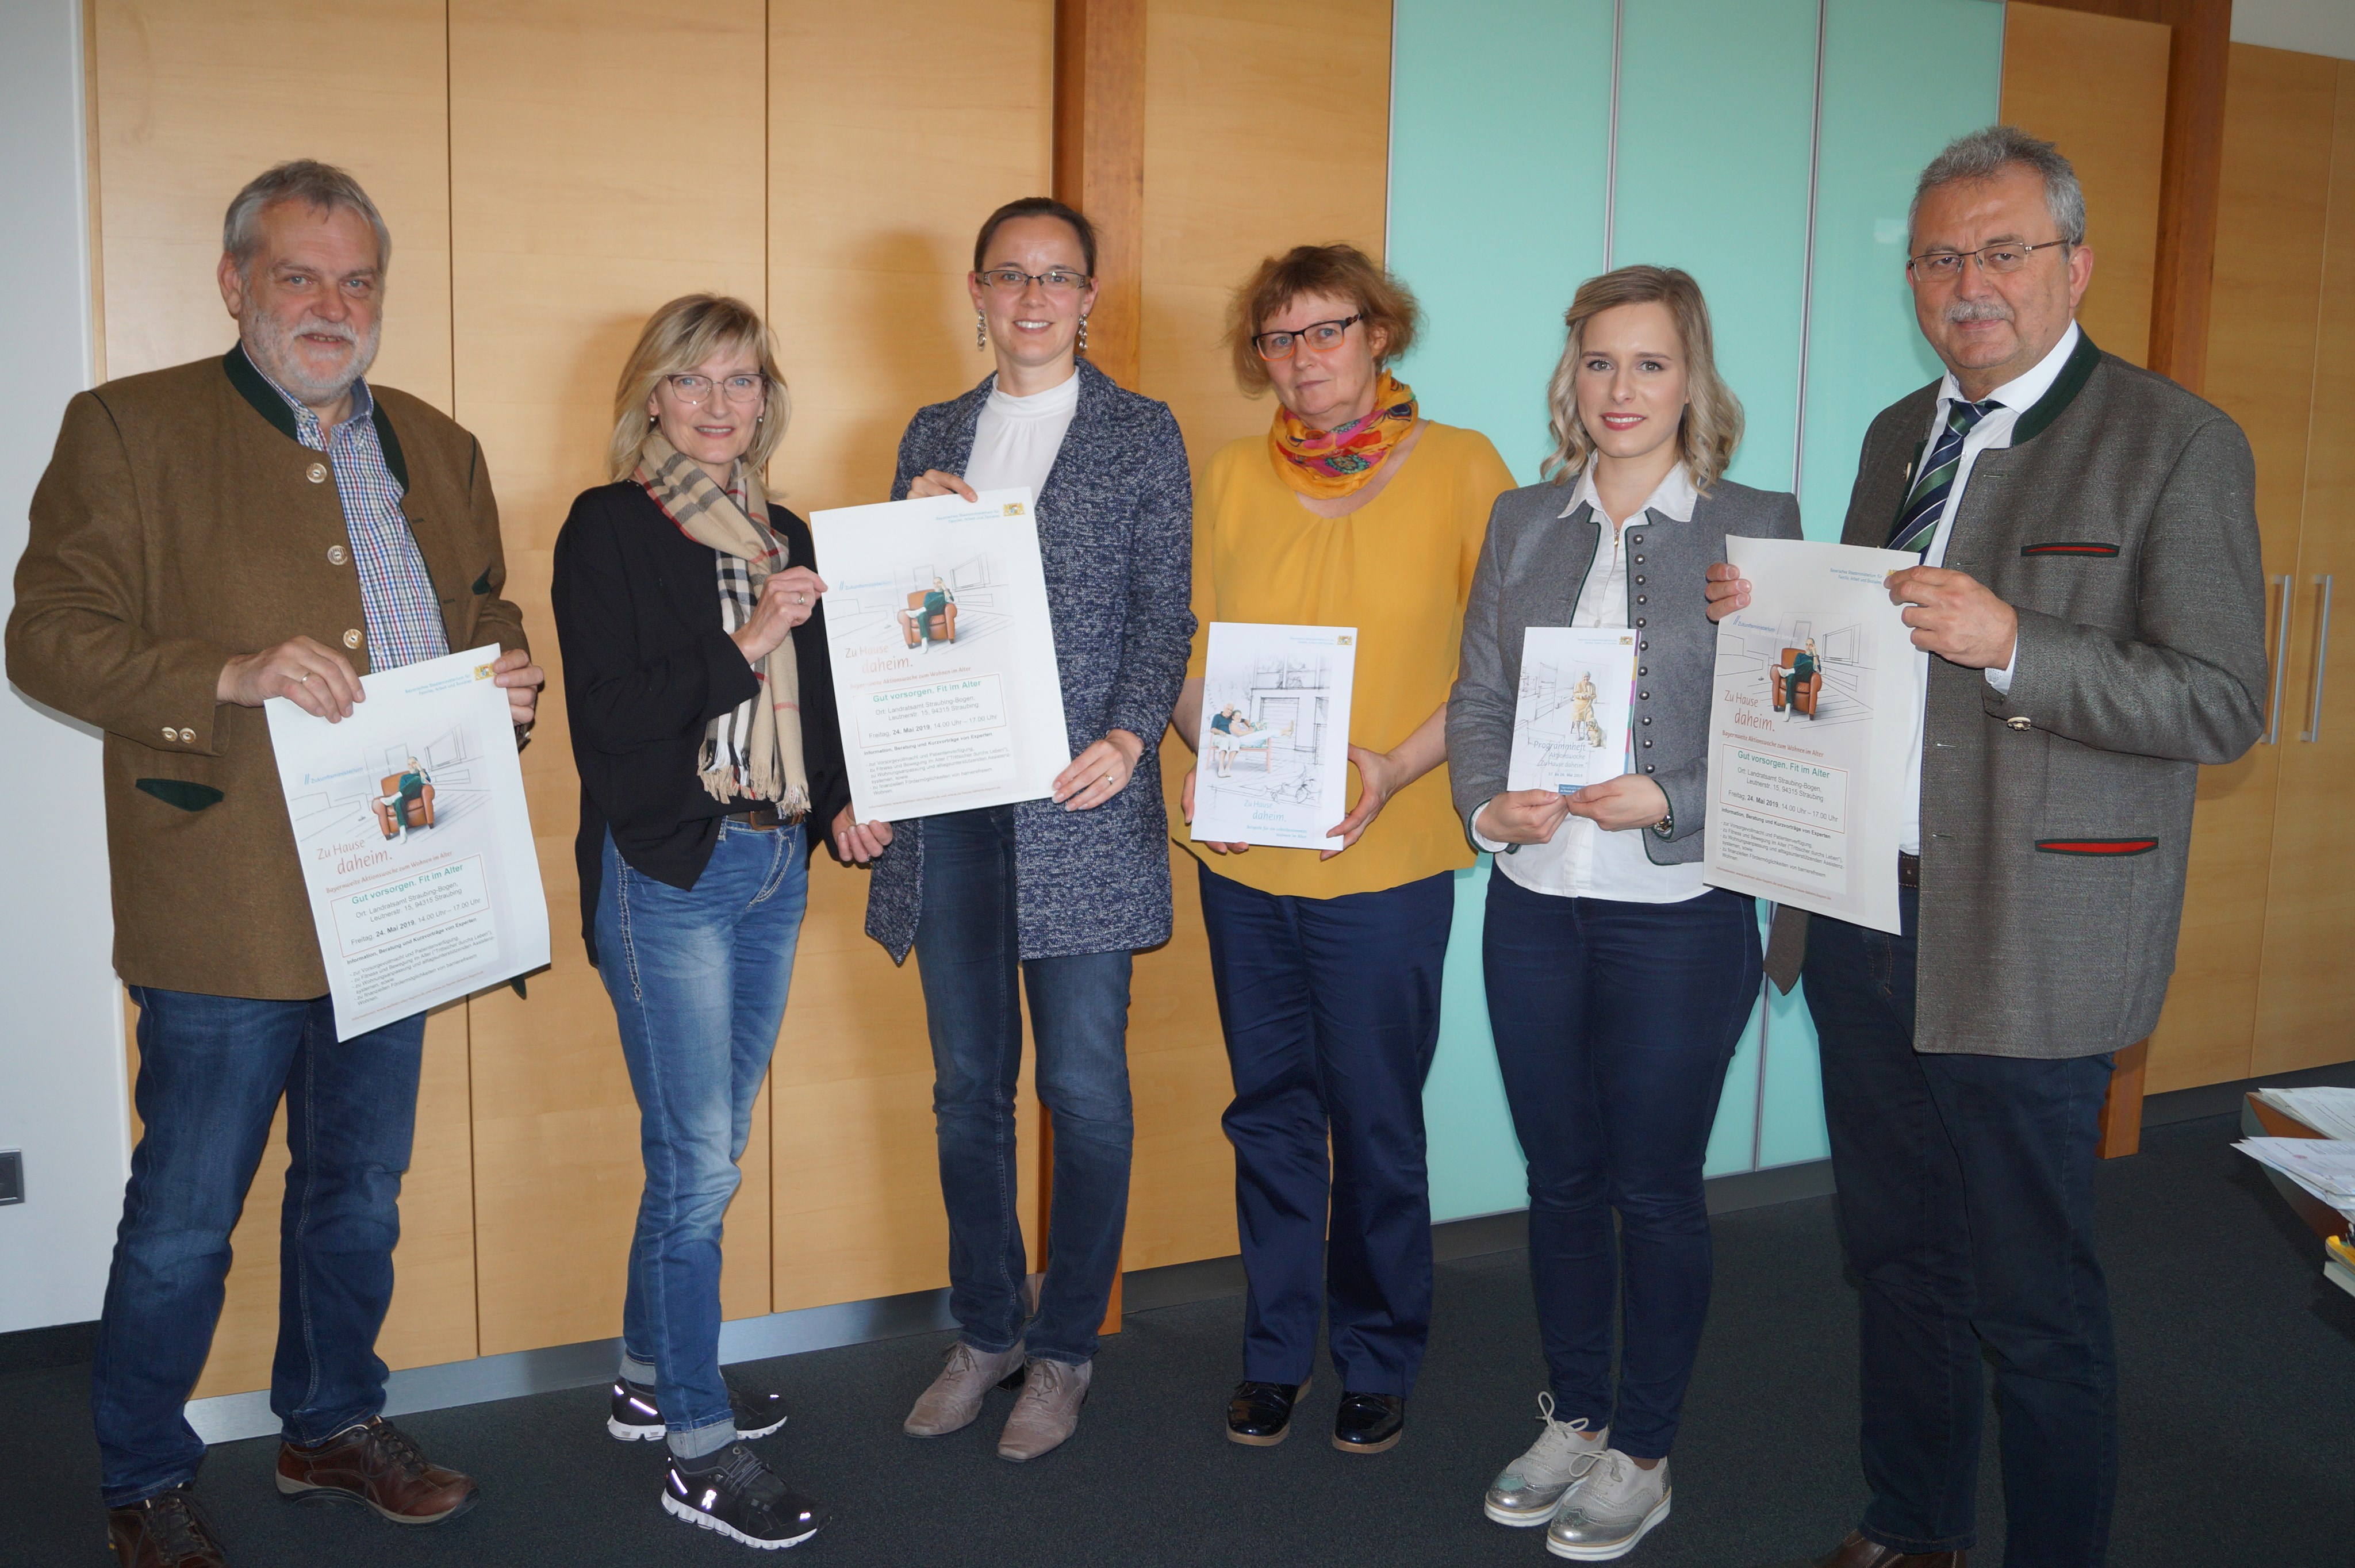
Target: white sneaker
point(1530, 1486)
point(1609, 1510)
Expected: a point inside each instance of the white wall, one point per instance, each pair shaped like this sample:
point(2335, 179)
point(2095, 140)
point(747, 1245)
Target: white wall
point(2315, 27)
point(61, 1059)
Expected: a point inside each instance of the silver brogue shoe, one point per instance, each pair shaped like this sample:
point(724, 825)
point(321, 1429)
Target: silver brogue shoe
point(1531, 1485)
point(955, 1396)
point(1614, 1505)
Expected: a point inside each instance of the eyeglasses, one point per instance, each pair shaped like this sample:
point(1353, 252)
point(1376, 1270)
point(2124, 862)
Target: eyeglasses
point(739, 388)
point(1054, 280)
point(2004, 256)
point(1317, 335)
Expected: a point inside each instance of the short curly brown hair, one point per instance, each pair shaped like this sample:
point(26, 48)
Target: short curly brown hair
point(1386, 305)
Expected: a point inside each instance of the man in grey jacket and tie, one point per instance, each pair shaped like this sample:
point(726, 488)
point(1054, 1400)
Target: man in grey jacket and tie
point(2092, 591)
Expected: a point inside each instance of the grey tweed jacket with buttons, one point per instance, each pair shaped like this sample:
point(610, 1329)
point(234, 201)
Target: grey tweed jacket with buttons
point(1116, 538)
point(2056, 820)
point(1530, 574)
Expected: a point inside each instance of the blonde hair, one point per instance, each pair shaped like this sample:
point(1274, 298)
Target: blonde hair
point(1711, 426)
point(677, 337)
point(1386, 305)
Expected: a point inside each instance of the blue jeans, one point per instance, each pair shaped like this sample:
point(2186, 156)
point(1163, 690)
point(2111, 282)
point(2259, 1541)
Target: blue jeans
point(968, 948)
point(211, 1070)
point(698, 977)
point(1614, 1025)
point(1967, 1209)
point(1331, 1012)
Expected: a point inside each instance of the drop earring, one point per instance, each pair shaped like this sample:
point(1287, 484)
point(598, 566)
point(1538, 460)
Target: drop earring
point(1084, 334)
point(980, 331)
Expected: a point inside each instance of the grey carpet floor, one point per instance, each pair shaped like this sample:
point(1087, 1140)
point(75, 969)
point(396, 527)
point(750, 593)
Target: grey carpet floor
point(2238, 1430)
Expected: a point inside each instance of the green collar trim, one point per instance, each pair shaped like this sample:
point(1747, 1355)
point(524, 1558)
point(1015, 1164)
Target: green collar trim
point(2062, 393)
point(271, 406)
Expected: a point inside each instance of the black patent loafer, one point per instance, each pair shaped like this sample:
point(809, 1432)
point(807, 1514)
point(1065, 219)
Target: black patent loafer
point(1368, 1422)
point(1259, 1414)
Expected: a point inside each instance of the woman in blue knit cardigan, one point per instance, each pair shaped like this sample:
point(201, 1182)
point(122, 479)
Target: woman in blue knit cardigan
point(1066, 888)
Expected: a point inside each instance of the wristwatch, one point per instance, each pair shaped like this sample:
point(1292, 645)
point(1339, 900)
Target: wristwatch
point(1667, 826)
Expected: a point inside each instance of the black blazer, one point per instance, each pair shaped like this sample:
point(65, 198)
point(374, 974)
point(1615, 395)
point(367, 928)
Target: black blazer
point(647, 669)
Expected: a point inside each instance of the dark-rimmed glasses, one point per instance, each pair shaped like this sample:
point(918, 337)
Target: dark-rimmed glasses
point(1317, 335)
point(2003, 256)
point(1054, 280)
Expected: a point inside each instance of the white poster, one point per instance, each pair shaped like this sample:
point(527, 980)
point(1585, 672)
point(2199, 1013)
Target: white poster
point(1569, 725)
point(944, 653)
point(1810, 730)
point(415, 841)
point(1274, 746)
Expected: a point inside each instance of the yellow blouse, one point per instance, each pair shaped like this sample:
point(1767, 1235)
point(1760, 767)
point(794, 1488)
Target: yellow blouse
point(1399, 570)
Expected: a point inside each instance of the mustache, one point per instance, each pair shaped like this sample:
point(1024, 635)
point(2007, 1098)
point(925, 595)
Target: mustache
point(1977, 310)
point(312, 326)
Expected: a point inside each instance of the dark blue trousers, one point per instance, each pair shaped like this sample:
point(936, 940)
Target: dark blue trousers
point(1967, 1206)
point(1331, 1008)
point(211, 1073)
point(1614, 1025)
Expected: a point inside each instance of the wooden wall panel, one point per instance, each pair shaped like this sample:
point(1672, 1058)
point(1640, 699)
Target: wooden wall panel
point(2306, 1015)
point(2261, 351)
point(606, 156)
point(1222, 109)
point(2096, 87)
point(879, 177)
point(1231, 124)
point(193, 97)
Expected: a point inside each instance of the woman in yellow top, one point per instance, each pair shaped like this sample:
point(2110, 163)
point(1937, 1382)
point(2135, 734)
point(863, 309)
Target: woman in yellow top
point(1352, 511)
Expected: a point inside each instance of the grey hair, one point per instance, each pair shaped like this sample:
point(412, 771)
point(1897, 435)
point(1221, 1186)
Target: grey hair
point(316, 184)
point(1983, 154)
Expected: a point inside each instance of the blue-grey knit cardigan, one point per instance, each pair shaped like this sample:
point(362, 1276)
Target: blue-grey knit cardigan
point(1116, 532)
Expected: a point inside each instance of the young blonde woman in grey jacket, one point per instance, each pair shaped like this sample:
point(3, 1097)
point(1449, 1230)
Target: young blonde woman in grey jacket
point(1618, 982)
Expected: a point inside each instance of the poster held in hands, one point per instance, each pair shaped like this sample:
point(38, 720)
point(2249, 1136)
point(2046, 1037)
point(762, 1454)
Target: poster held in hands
point(1570, 723)
point(1810, 730)
point(1273, 749)
point(415, 841)
point(944, 651)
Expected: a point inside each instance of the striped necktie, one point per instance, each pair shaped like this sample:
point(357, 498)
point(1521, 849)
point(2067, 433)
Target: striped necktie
point(1919, 520)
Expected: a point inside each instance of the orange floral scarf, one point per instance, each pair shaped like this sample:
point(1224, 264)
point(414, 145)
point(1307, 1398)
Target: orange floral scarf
point(1324, 463)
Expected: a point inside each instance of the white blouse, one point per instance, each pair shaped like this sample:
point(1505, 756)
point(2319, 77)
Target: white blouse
point(1016, 439)
point(1583, 861)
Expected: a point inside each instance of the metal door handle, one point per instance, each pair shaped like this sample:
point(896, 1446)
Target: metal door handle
point(2281, 656)
point(2321, 664)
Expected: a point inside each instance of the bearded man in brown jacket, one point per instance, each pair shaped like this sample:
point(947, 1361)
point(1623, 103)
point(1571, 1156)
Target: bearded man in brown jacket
point(205, 537)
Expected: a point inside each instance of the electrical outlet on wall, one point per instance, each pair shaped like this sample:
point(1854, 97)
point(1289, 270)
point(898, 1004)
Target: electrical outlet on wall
point(12, 1176)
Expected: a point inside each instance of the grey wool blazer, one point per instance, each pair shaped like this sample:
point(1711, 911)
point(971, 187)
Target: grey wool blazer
point(2121, 524)
point(1116, 538)
point(1531, 570)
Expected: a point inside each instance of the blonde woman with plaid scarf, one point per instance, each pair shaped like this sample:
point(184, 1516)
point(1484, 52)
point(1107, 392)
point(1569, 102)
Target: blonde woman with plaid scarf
point(696, 682)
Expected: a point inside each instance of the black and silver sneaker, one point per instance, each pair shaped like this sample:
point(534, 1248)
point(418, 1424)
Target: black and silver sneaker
point(636, 1418)
point(743, 1500)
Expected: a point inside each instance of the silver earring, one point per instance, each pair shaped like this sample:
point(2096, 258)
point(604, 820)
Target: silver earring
point(1084, 334)
point(980, 330)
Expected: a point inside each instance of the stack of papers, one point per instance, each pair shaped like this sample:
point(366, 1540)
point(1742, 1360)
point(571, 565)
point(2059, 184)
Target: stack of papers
point(2330, 1112)
point(2323, 1167)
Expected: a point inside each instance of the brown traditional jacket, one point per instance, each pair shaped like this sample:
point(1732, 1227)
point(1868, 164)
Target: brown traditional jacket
point(179, 523)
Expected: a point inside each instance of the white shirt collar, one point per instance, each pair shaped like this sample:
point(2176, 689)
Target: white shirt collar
point(1673, 499)
point(2020, 393)
point(1060, 399)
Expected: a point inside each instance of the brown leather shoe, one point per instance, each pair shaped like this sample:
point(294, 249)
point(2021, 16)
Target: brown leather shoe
point(376, 1464)
point(1856, 1552)
point(164, 1531)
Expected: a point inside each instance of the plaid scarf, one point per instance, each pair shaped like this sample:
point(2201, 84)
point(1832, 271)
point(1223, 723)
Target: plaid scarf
point(753, 751)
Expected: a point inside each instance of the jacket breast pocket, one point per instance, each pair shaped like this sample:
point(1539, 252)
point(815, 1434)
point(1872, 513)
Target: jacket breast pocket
point(2082, 550)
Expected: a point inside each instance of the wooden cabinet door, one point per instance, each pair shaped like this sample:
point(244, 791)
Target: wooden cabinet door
point(2306, 1008)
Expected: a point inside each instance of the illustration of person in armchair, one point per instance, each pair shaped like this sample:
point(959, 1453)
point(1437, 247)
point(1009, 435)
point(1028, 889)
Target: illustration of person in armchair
point(1803, 669)
point(407, 787)
point(932, 620)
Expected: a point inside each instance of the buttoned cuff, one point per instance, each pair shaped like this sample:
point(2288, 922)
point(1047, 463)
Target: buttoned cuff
point(2001, 678)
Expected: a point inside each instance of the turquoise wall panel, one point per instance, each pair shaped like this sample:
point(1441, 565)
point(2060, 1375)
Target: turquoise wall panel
point(1500, 110)
point(1501, 130)
point(1716, 120)
point(1900, 81)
